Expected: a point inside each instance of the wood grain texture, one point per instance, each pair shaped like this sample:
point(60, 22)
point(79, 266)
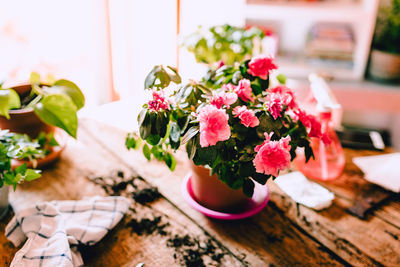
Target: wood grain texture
point(283, 234)
point(366, 237)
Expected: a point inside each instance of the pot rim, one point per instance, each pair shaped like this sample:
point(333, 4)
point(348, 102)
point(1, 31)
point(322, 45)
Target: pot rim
point(385, 52)
point(26, 109)
point(21, 111)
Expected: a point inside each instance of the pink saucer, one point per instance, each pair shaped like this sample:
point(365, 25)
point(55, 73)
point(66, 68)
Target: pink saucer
point(254, 205)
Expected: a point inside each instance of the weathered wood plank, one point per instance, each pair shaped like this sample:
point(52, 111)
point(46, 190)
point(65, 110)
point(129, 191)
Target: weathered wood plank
point(7, 250)
point(268, 236)
point(351, 184)
point(68, 179)
point(359, 242)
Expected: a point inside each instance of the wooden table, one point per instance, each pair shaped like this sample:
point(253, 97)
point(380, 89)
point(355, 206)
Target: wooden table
point(283, 234)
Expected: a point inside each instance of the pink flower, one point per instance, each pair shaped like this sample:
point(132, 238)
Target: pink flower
point(246, 116)
point(289, 97)
point(244, 91)
point(261, 66)
point(274, 103)
point(325, 138)
point(313, 126)
point(159, 101)
point(310, 122)
point(272, 156)
point(223, 98)
point(213, 125)
point(228, 87)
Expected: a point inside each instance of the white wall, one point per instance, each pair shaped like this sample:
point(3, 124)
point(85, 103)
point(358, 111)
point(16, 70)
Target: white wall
point(144, 34)
point(67, 38)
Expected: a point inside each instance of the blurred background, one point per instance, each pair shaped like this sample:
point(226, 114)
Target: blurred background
point(108, 46)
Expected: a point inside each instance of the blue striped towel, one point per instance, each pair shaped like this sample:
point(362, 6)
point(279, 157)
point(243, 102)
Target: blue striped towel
point(53, 230)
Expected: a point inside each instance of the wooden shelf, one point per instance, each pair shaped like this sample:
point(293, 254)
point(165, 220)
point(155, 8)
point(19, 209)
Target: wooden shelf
point(297, 66)
point(293, 20)
point(345, 12)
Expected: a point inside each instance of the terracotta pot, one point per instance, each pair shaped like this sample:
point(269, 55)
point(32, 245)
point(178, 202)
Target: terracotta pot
point(384, 66)
point(4, 200)
point(212, 193)
point(24, 120)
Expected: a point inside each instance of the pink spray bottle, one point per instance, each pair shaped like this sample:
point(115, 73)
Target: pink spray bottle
point(329, 157)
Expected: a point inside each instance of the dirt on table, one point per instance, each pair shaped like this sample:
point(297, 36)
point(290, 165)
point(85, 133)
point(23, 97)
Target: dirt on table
point(189, 250)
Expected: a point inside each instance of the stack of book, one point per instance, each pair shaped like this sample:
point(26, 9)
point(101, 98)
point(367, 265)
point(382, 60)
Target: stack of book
point(330, 43)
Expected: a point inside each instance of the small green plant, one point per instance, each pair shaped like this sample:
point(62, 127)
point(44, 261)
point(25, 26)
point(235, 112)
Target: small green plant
point(17, 147)
point(387, 32)
point(224, 43)
point(55, 102)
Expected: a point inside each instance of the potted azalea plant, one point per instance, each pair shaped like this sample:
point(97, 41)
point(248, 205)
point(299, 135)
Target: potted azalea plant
point(238, 130)
point(385, 56)
point(224, 43)
point(40, 106)
point(16, 147)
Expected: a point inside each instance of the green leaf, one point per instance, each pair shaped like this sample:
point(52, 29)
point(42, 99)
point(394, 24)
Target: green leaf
point(151, 77)
point(141, 116)
point(159, 74)
point(42, 139)
point(161, 123)
point(190, 134)
point(237, 183)
point(21, 169)
point(175, 133)
point(144, 124)
point(12, 179)
point(70, 89)
point(237, 76)
point(34, 78)
point(205, 155)
point(170, 161)
point(248, 187)
point(268, 124)
point(157, 152)
point(4, 103)
point(191, 148)
point(153, 139)
point(260, 178)
point(281, 78)
point(131, 142)
point(246, 169)
point(52, 141)
point(31, 175)
point(58, 110)
point(49, 79)
point(9, 99)
point(175, 78)
point(15, 101)
point(145, 130)
point(308, 152)
point(146, 152)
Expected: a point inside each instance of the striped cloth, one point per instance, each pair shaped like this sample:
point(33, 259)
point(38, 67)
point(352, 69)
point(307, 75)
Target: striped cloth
point(53, 230)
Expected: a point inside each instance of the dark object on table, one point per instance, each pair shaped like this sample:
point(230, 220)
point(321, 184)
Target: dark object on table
point(363, 138)
point(370, 197)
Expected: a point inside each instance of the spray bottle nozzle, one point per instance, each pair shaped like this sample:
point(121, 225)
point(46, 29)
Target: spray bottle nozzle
point(326, 101)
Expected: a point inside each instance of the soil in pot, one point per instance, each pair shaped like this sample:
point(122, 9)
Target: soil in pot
point(24, 120)
point(212, 193)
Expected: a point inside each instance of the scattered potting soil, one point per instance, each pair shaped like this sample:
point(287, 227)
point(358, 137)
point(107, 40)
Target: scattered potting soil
point(146, 195)
point(147, 226)
point(120, 174)
point(189, 249)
